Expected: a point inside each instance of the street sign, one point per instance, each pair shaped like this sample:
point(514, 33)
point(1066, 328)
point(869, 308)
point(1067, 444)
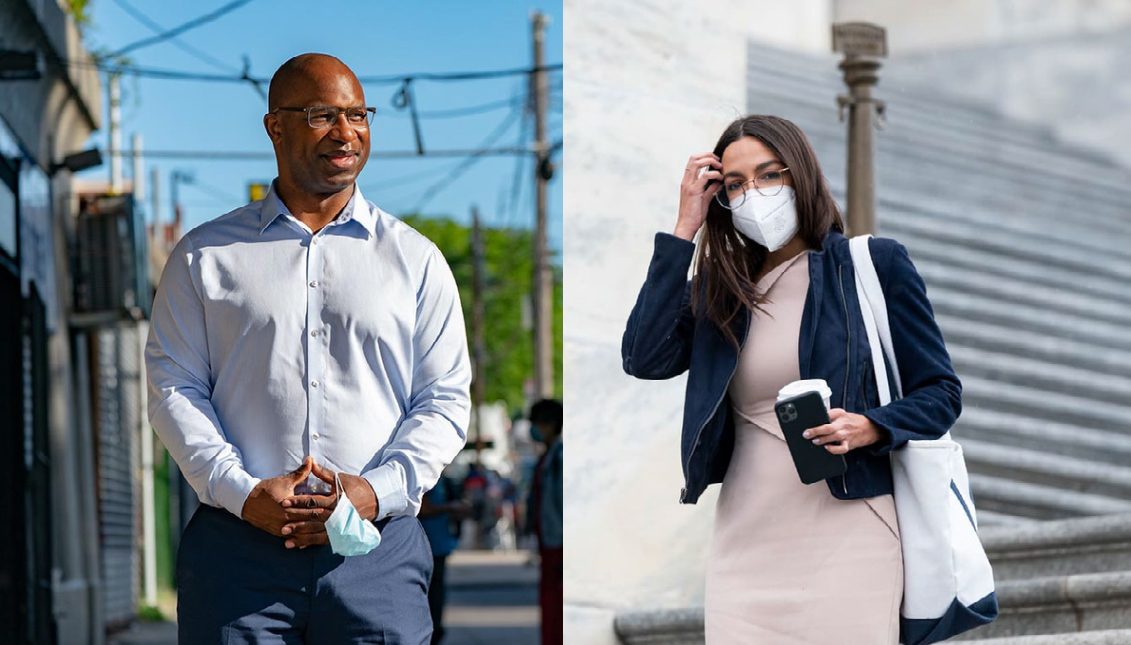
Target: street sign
point(257, 192)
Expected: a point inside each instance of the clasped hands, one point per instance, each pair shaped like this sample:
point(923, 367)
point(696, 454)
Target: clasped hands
point(846, 431)
point(273, 506)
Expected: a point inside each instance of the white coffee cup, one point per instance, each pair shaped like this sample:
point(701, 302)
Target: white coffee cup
point(807, 385)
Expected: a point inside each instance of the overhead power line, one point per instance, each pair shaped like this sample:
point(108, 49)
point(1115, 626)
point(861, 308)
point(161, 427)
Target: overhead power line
point(178, 75)
point(473, 158)
point(180, 29)
point(471, 109)
point(248, 155)
point(177, 42)
point(215, 192)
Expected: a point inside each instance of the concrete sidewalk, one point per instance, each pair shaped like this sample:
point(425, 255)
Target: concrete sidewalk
point(492, 599)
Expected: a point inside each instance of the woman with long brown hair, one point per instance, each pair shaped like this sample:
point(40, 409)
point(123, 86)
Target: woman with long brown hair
point(773, 300)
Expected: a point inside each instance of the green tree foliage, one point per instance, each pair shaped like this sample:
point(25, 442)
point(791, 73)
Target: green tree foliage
point(508, 274)
point(80, 12)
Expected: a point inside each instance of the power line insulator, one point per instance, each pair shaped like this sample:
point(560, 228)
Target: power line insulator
point(546, 169)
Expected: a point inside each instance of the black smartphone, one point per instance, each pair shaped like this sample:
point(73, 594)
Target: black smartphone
point(796, 415)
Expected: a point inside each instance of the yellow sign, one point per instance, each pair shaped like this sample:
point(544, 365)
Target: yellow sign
point(257, 192)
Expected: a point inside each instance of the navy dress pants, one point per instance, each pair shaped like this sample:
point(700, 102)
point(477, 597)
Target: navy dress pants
point(238, 585)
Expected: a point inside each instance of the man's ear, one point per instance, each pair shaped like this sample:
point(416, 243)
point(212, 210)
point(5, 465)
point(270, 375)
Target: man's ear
point(272, 126)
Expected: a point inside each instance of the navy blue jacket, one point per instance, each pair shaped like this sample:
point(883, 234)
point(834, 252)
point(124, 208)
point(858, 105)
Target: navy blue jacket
point(664, 339)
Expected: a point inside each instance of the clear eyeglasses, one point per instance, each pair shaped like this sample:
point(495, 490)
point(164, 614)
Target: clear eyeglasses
point(768, 184)
point(324, 116)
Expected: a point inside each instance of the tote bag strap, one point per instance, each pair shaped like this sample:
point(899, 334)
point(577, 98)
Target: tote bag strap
point(874, 310)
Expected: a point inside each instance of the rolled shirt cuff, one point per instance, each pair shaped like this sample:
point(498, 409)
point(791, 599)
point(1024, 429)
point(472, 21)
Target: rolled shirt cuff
point(389, 487)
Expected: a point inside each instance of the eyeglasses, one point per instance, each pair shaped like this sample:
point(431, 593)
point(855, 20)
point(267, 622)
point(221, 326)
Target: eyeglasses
point(324, 116)
point(768, 184)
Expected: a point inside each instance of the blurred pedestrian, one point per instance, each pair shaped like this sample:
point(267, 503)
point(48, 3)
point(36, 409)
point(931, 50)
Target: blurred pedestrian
point(545, 509)
point(475, 492)
point(308, 333)
point(440, 513)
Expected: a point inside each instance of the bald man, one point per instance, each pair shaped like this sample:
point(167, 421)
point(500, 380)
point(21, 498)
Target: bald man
point(308, 371)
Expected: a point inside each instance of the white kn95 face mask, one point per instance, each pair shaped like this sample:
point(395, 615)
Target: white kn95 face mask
point(769, 221)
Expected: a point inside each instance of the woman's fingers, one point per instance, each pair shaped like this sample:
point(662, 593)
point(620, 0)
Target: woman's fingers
point(818, 431)
point(828, 433)
point(696, 162)
point(838, 448)
point(700, 185)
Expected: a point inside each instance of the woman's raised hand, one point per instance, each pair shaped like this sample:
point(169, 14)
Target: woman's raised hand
point(695, 194)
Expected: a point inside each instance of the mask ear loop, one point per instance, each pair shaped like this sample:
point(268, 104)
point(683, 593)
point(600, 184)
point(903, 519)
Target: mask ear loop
point(337, 488)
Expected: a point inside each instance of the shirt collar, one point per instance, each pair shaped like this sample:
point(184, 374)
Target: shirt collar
point(357, 209)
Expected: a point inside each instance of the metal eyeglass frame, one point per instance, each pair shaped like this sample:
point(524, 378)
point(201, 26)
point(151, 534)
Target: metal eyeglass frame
point(337, 111)
point(721, 198)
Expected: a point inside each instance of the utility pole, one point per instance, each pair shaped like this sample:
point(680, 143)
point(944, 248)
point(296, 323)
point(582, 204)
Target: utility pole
point(115, 134)
point(543, 278)
point(138, 170)
point(145, 432)
point(479, 348)
point(157, 237)
point(862, 44)
point(178, 177)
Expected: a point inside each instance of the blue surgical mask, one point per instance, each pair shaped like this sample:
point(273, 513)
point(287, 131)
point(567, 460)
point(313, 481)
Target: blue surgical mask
point(349, 532)
point(535, 433)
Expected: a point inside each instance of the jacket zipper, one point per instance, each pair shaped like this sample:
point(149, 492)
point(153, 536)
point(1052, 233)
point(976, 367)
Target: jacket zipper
point(847, 352)
point(699, 432)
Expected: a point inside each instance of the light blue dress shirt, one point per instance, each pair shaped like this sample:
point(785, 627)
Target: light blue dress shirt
point(269, 342)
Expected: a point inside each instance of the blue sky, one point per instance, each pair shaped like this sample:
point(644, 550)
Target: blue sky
point(374, 39)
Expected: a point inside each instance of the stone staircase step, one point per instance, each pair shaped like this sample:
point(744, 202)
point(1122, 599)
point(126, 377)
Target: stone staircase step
point(957, 251)
point(1006, 175)
point(1039, 375)
point(966, 306)
point(818, 74)
point(992, 134)
point(1014, 192)
point(1006, 289)
point(1039, 502)
point(1047, 469)
point(983, 151)
point(987, 231)
point(1010, 430)
point(1048, 349)
point(1101, 637)
point(1061, 604)
point(990, 518)
point(1059, 548)
point(1050, 406)
point(916, 172)
point(661, 627)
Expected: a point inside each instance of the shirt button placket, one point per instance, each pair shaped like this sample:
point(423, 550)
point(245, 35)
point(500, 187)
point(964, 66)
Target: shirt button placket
point(315, 356)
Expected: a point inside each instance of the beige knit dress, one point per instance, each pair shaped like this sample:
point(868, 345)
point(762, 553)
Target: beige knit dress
point(789, 563)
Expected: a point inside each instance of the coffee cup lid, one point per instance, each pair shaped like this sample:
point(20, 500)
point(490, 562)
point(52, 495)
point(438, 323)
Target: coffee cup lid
point(808, 385)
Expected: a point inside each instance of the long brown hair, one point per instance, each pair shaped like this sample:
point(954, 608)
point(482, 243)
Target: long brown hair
point(727, 261)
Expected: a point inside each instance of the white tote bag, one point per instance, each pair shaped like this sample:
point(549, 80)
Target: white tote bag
point(948, 585)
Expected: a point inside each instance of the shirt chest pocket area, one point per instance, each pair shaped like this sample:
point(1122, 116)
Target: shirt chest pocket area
point(367, 310)
point(241, 300)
